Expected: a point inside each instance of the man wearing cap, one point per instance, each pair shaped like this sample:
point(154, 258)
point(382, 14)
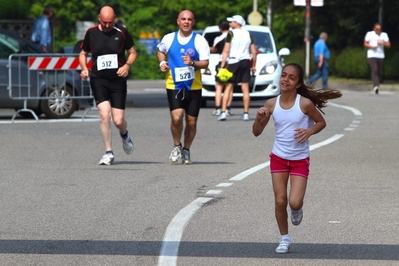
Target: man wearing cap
point(41, 33)
point(236, 57)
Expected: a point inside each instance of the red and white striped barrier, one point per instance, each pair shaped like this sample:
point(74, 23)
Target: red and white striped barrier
point(56, 63)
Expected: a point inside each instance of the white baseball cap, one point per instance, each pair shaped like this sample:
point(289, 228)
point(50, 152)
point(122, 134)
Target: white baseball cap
point(237, 18)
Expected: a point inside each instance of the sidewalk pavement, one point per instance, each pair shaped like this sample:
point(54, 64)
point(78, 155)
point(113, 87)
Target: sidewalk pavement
point(358, 85)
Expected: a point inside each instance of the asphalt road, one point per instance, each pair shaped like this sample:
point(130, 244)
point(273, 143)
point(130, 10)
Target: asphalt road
point(60, 208)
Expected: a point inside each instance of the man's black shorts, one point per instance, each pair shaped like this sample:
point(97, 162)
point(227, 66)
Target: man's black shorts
point(109, 90)
point(241, 72)
point(189, 100)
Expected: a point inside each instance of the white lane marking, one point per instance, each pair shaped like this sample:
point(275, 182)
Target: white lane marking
point(352, 109)
point(213, 192)
point(224, 184)
point(174, 232)
point(349, 128)
point(250, 171)
point(326, 142)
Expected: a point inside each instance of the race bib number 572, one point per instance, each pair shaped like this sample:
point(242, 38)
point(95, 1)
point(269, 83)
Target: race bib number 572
point(107, 61)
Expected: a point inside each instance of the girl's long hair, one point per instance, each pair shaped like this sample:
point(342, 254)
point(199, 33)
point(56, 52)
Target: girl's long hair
point(319, 97)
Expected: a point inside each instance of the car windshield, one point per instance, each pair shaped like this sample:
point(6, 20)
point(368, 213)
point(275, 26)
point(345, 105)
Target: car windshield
point(263, 43)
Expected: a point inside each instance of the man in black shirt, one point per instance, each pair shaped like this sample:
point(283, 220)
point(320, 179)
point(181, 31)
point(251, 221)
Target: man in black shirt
point(107, 44)
point(217, 47)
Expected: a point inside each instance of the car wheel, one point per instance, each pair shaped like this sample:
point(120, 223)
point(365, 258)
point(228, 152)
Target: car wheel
point(59, 104)
point(26, 114)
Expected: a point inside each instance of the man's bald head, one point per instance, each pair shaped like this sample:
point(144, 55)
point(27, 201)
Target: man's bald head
point(185, 21)
point(106, 17)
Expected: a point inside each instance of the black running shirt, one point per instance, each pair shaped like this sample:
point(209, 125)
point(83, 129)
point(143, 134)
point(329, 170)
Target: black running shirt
point(108, 50)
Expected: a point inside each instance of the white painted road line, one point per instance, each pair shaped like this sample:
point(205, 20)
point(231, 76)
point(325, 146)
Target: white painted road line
point(171, 240)
point(213, 192)
point(353, 110)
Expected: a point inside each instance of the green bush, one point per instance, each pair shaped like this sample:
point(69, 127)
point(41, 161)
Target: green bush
point(391, 64)
point(352, 63)
point(146, 66)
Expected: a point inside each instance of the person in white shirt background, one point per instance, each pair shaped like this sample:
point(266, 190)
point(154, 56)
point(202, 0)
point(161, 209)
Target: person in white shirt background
point(375, 41)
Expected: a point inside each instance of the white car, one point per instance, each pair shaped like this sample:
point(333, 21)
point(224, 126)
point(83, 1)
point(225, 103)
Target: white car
point(265, 82)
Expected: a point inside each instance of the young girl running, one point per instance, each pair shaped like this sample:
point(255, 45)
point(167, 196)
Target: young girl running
point(296, 117)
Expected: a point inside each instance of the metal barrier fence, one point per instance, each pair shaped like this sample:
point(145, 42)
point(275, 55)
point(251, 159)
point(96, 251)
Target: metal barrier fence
point(49, 84)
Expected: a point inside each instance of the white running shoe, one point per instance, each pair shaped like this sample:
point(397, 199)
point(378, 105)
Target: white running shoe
point(216, 112)
point(245, 117)
point(283, 247)
point(228, 112)
point(376, 89)
point(175, 155)
point(128, 145)
point(222, 116)
point(107, 159)
point(296, 216)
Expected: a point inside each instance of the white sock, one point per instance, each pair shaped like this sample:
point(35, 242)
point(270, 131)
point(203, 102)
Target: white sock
point(286, 237)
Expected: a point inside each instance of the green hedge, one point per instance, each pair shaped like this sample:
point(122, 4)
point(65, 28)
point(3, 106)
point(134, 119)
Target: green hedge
point(351, 63)
point(347, 63)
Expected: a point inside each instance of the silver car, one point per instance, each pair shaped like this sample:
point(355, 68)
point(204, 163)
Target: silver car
point(265, 82)
point(51, 85)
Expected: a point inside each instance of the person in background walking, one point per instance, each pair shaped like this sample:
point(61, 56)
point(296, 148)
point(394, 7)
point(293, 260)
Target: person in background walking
point(375, 41)
point(41, 32)
point(182, 55)
point(296, 117)
point(321, 56)
point(236, 58)
point(108, 77)
point(217, 47)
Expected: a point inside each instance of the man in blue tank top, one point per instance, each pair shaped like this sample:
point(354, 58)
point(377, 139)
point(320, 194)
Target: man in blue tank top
point(182, 55)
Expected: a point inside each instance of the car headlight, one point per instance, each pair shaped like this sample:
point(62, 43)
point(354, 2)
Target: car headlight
point(206, 71)
point(269, 68)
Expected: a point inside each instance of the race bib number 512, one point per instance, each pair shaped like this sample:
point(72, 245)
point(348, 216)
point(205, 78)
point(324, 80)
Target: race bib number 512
point(107, 61)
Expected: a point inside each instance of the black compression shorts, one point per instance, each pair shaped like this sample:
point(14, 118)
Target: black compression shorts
point(241, 72)
point(189, 100)
point(113, 91)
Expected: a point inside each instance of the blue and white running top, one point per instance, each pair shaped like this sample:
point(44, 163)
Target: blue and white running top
point(181, 76)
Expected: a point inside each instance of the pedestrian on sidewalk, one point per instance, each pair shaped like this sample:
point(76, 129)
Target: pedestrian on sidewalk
point(108, 77)
point(296, 117)
point(321, 57)
point(375, 41)
point(42, 27)
point(182, 55)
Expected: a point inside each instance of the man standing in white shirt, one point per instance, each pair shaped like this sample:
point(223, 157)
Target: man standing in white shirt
point(375, 41)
